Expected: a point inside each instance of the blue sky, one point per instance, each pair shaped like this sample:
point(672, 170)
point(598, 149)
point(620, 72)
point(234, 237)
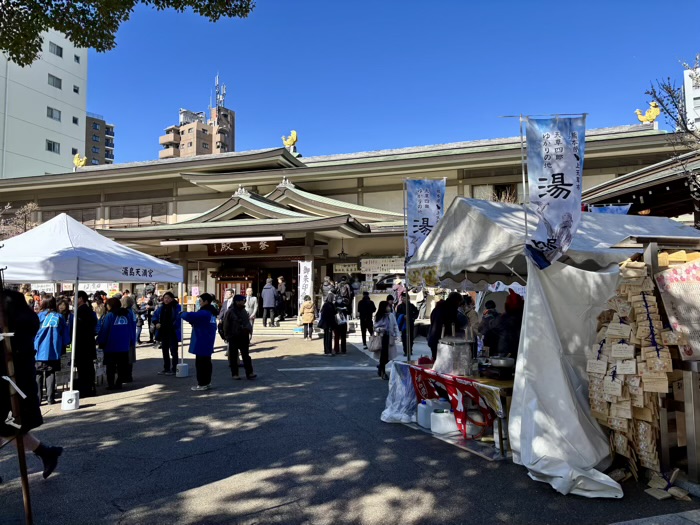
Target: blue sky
point(376, 74)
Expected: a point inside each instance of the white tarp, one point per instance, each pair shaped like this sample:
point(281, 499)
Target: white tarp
point(486, 240)
point(552, 432)
point(64, 250)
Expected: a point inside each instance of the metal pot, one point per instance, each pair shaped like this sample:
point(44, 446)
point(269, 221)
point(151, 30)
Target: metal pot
point(502, 362)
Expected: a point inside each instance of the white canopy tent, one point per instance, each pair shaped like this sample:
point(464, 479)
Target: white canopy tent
point(64, 250)
point(552, 432)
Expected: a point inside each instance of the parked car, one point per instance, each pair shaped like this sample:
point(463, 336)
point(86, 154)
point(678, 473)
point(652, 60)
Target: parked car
point(387, 283)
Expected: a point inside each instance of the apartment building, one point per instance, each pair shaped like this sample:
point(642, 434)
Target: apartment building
point(99, 140)
point(43, 109)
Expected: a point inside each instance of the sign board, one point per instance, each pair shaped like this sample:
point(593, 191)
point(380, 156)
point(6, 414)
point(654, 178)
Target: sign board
point(346, 268)
point(195, 291)
point(91, 288)
point(680, 291)
point(306, 280)
point(241, 248)
point(44, 287)
point(382, 265)
point(426, 203)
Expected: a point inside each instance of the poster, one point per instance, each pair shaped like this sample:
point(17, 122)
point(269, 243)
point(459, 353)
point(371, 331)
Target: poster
point(349, 268)
point(306, 281)
point(679, 287)
point(555, 148)
point(425, 199)
point(382, 265)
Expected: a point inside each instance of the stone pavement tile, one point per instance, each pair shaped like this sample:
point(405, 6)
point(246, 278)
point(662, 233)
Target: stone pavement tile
point(692, 515)
point(665, 519)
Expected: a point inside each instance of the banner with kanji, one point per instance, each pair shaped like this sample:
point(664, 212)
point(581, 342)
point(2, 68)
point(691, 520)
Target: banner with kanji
point(425, 200)
point(306, 281)
point(555, 148)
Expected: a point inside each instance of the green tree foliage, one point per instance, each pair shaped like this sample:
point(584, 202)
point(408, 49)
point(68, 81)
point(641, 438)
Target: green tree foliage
point(91, 24)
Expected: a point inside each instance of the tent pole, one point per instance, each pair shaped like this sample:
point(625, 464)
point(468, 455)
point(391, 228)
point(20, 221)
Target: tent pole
point(182, 334)
point(526, 192)
point(75, 332)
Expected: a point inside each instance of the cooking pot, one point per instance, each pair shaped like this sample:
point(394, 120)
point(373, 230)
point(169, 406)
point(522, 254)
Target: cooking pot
point(502, 362)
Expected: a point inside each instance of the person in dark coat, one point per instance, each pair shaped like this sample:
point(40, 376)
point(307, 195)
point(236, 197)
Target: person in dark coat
point(23, 322)
point(445, 315)
point(366, 309)
point(269, 298)
point(488, 328)
point(168, 332)
point(341, 325)
point(237, 329)
point(406, 314)
point(204, 329)
point(509, 325)
point(85, 353)
point(327, 323)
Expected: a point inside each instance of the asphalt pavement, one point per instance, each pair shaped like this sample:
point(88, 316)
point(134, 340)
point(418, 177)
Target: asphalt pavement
point(302, 444)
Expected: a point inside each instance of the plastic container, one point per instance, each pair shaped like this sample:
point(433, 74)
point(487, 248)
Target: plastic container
point(496, 423)
point(442, 421)
point(424, 411)
point(439, 404)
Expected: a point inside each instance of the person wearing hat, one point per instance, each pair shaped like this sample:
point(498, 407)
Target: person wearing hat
point(488, 328)
point(366, 308)
point(237, 330)
point(204, 328)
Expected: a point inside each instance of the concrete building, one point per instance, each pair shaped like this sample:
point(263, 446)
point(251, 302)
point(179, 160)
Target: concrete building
point(99, 140)
point(194, 135)
point(42, 110)
point(691, 89)
point(188, 209)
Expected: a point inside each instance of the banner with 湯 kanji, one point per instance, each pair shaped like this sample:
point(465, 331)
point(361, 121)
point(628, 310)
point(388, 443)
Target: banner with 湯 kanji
point(425, 205)
point(555, 149)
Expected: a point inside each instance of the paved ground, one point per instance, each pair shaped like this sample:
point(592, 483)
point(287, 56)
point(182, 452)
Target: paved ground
point(293, 447)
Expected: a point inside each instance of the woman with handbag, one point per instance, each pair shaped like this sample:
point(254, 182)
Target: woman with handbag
point(386, 328)
point(308, 315)
point(327, 323)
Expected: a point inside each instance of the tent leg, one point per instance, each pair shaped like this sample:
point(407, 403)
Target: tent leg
point(71, 399)
point(182, 368)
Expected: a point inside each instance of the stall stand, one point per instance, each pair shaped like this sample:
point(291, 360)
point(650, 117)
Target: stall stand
point(551, 429)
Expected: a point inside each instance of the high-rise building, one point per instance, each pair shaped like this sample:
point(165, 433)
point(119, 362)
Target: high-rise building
point(99, 140)
point(194, 135)
point(691, 88)
point(42, 110)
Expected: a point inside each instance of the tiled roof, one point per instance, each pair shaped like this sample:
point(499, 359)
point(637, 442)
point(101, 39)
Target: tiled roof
point(342, 204)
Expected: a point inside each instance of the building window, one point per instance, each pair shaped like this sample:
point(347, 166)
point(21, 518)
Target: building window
point(55, 81)
point(205, 145)
point(74, 151)
point(56, 50)
point(95, 126)
point(53, 113)
point(95, 149)
point(94, 162)
point(189, 130)
point(76, 89)
point(53, 147)
point(76, 58)
point(205, 131)
point(75, 120)
point(189, 144)
point(95, 138)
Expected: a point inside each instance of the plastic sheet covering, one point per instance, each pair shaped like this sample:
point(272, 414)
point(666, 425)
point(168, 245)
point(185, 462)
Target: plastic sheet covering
point(551, 429)
point(401, 402)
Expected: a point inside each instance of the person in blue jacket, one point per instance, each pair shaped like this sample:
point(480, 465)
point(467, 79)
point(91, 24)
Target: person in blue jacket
point(203, 323)
point(168, 332)
point(116, 336)
point(49, 346)
point(63, 308)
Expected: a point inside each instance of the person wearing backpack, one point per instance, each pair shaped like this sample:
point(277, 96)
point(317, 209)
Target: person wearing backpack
point(237, 330)
point(116, 336)
point(204, 330)
point(345, 292)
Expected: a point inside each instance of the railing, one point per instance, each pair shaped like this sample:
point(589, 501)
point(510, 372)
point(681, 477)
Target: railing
point(109, 144)
point(94, 115)
point(109, 132)
point(109, 156)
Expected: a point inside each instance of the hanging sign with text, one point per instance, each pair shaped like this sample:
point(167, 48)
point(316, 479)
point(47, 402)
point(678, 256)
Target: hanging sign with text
point(381, 266)
point(242, 248)
point(426, 203)
point(555, 149)
point(306, 281)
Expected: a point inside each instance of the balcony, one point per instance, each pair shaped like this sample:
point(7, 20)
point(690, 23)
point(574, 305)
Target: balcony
point(169, 153)
point(109, 132)
point(109, 144)
point(170, 138)
point(109, 155)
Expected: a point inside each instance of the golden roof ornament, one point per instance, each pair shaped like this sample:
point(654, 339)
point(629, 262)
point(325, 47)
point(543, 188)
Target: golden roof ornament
point(78, 161)
point(290, 142)
point(651, 114)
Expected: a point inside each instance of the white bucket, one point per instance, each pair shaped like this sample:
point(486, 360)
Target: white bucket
point(182, 370)
point(70, 400)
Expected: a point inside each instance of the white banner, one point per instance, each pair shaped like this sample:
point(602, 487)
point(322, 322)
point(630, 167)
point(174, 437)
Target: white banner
point(44, 287)
point(555, 148)
point(425, 200)
point(383, 265)
point(306, 280)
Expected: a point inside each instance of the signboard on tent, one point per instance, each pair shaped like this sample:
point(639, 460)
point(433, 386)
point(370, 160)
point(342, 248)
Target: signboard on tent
point(555, 148)
point(306, 281)
point(425, 205)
